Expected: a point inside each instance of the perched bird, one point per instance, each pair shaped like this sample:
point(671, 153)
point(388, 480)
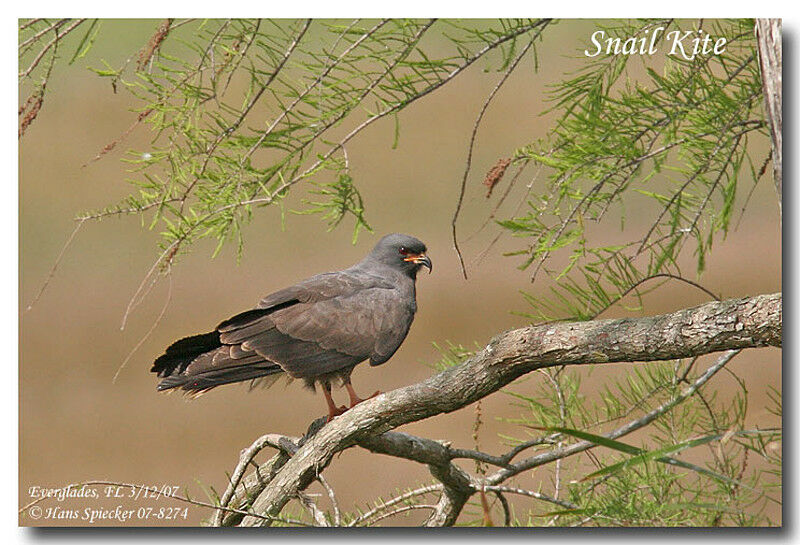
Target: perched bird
point(317, 330)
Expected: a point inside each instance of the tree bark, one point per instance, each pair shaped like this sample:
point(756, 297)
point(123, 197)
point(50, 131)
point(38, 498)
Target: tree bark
point(770, 56)
point(725, 325)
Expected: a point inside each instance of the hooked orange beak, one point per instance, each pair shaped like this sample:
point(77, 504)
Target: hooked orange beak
point(420, 259)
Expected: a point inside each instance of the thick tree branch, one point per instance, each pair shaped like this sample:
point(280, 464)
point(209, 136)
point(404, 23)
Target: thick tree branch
point(726, 325)
point(458, 484)
point(437, 455)
point(286, 446)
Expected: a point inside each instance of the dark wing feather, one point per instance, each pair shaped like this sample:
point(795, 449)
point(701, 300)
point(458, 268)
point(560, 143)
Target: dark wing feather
point(369, 323)
point(339, 320)
point(180, 353)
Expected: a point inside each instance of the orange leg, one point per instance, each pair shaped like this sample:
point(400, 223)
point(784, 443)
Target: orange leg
point(333, 410)
point(354, 399)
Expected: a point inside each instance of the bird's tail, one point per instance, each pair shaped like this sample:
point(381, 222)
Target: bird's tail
point(173, 366)
point(195, 385)
point(181, 353)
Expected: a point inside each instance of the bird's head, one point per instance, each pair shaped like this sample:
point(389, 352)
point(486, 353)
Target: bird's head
point(402, 252)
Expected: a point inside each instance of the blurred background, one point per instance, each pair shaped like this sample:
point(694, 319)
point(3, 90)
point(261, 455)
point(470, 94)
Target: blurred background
point(78, 424)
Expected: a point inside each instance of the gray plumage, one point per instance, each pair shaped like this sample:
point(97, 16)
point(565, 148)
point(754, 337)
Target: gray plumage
point(317, 330)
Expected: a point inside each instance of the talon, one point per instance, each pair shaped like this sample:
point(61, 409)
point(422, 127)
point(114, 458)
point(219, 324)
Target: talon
point(354, 399)
point(335, 411)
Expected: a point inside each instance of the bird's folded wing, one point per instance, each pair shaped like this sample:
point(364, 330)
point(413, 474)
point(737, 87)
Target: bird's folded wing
point(324, 324)
point(323, 286)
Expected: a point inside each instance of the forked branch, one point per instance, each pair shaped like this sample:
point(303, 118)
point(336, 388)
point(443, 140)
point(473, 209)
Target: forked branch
point(713, 327)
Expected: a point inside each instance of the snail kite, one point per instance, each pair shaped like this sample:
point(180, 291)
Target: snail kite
point(317, 330)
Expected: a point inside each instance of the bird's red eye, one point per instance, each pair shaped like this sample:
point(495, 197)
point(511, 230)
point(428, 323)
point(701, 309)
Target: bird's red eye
point(403, 250)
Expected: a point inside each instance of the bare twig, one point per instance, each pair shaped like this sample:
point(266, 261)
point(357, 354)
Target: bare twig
point(26, 24)
point(41, 33)
point(471, 147)
point(48, 46)
point(581, 446)
point(401, 510)
point(140, 293)
point(146, 336)
point(669, 276)
point(532, 494)
point(562, 413)
point(365, 517)
point(55, 265)
point(337, 514)
point(506, 507)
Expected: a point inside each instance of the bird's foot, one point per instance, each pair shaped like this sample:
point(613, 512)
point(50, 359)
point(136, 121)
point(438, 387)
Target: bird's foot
point(355, 400)
point(334, 411)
